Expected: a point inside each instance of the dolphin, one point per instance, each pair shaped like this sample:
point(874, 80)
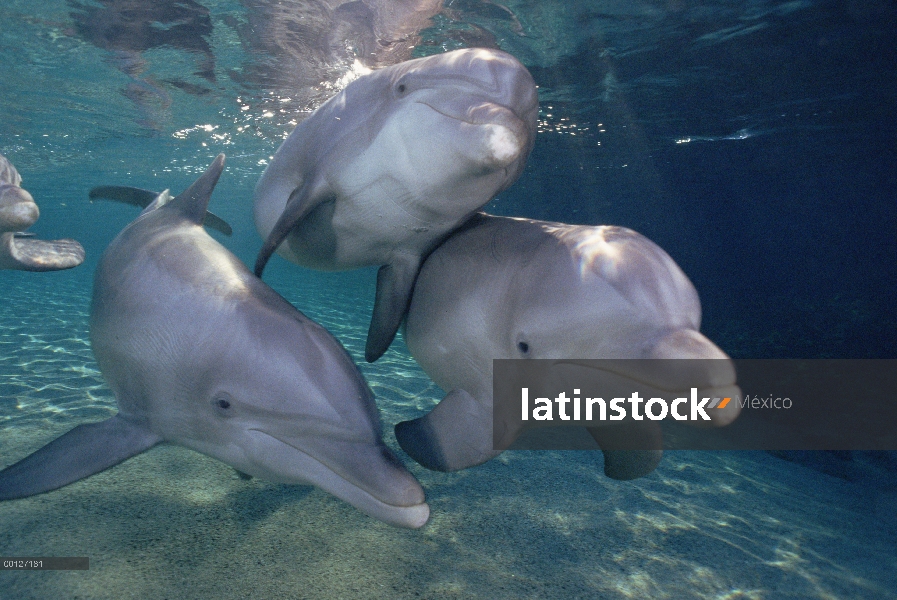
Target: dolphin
point(21, 251)
point(506, 288)
point(385, 169)
point(201, 353)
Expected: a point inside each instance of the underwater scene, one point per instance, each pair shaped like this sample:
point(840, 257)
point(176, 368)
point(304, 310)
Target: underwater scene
point(752, 145)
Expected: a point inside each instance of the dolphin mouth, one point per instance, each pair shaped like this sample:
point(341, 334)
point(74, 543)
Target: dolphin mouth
point(657, 378)
point(405, 509)
point(664, 378)
point(501, 137)
point(484, 113)
point(677, 361)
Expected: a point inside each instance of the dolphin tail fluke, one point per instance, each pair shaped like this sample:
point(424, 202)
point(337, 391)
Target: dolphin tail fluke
point(143, 198)
point(457, 434)
point(83, 451)
point(25, 253)
point(630, 451)
point(395, 282)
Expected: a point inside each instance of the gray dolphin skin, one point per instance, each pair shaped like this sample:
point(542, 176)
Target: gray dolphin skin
point(201, 353)
point(517, 288)
point(18, 250)
point(385, 169)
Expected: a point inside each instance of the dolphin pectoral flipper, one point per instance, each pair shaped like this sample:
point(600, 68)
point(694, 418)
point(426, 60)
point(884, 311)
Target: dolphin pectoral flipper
point(143, 198)
point(455, 435)
point(83, 451)
point(394, 284)
point(302, 201)
point(24, 252)
point(630, 450)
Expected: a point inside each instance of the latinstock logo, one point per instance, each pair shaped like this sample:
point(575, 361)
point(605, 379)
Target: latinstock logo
point(694, 404)
point(589, 409)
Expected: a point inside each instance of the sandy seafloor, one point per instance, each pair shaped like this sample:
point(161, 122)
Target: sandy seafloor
point(172, 523)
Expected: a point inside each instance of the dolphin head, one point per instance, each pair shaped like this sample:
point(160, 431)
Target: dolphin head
point(281, 400)
point(456, 126)
point(474, 108)
point(621, 297)
point(18, 211)
point(488, 94)
point(606, 293)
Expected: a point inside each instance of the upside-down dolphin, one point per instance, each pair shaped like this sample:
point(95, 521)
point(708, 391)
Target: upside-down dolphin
point(201, 353)
point(19, 250)
point(385, 169)
point(505, 288)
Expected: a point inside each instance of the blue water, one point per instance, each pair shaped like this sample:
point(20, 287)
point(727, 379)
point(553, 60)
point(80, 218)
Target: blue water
point(756, 142)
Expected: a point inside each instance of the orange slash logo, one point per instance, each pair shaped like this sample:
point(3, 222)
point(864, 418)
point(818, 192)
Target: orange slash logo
point(716, 401)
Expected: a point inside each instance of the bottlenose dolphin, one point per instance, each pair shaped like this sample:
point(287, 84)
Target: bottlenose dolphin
point(201, 353)
point(381, 172)
point(21, 251)
point(517, 288)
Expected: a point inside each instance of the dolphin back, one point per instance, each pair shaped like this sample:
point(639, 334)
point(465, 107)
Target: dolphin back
point(143, 198)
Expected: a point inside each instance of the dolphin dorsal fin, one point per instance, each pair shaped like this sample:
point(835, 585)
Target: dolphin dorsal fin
point(150, 201)
point(193, 201)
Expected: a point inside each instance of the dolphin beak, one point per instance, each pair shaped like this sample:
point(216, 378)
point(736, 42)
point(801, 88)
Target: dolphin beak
point(367, 475)
point(701, 363)
point(504, 134)
point(675, 363)
point(508, 135)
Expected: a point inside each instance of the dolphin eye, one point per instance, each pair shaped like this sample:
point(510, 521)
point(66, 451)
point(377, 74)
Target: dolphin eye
point(523, 347)
point(401, 86)
point(223, 403)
